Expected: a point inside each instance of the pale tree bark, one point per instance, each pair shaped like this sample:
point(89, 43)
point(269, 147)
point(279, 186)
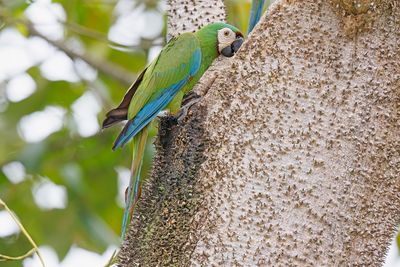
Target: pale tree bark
point(190, 15)
point(292, 156)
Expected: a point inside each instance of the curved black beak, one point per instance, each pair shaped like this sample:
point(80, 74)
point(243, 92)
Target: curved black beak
point(233, 48)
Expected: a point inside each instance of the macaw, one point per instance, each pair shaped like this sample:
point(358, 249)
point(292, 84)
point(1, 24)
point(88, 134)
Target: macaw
point(161, 86)
point(255, 13)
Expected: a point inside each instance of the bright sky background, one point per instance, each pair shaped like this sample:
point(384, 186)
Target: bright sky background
point(17, 54)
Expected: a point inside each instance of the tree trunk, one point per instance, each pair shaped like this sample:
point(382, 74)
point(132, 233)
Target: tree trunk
point(292, 156)
point(189, 15)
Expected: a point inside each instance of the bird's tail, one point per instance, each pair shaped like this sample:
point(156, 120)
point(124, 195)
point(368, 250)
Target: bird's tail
point(139, 145)
point(255, 13)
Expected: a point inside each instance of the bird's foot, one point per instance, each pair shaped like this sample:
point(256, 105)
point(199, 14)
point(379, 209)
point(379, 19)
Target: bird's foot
point(188, 102)
point(163, 114)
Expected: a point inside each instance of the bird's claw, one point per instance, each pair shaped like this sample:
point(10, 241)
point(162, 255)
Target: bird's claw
point(163, 114)
point(187, 104)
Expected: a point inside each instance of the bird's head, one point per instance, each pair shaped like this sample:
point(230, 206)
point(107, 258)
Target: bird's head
point(226, 38)
point(229, 41)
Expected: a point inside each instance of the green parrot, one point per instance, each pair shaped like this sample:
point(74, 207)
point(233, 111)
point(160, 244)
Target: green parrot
point(162, 85)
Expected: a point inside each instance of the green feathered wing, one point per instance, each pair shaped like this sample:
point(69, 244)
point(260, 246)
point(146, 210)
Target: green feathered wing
point(163, 82)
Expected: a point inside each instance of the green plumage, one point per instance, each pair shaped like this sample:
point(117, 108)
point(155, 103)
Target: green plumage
point(174, 62)
point(162, 85)
point(170, 66)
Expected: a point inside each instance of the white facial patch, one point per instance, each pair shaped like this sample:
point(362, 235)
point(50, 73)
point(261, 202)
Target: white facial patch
point(225, 38)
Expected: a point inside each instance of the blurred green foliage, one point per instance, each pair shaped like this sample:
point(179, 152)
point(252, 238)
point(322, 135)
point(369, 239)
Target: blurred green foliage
point(86, 166)
point(398, 240)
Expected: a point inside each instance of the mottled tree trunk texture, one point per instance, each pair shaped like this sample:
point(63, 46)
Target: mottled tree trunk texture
point(292, 155)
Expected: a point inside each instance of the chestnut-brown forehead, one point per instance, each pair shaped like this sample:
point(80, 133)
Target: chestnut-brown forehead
point(239, 34)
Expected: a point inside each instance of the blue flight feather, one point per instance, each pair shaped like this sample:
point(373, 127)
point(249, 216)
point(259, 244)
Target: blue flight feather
point(151, 109)
point(148, 113)
point(196, 59)
point(144, 116)
point(255, 13)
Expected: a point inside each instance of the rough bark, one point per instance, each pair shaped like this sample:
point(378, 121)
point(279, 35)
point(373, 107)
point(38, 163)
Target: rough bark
point(292, 157)
point(190, 15)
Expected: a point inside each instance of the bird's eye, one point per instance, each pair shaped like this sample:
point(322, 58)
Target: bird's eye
point(226, 33)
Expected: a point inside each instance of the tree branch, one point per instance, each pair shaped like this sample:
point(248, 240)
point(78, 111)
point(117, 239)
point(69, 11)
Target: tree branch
point(112, 70)
point(90, 33)
point(183, 16)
